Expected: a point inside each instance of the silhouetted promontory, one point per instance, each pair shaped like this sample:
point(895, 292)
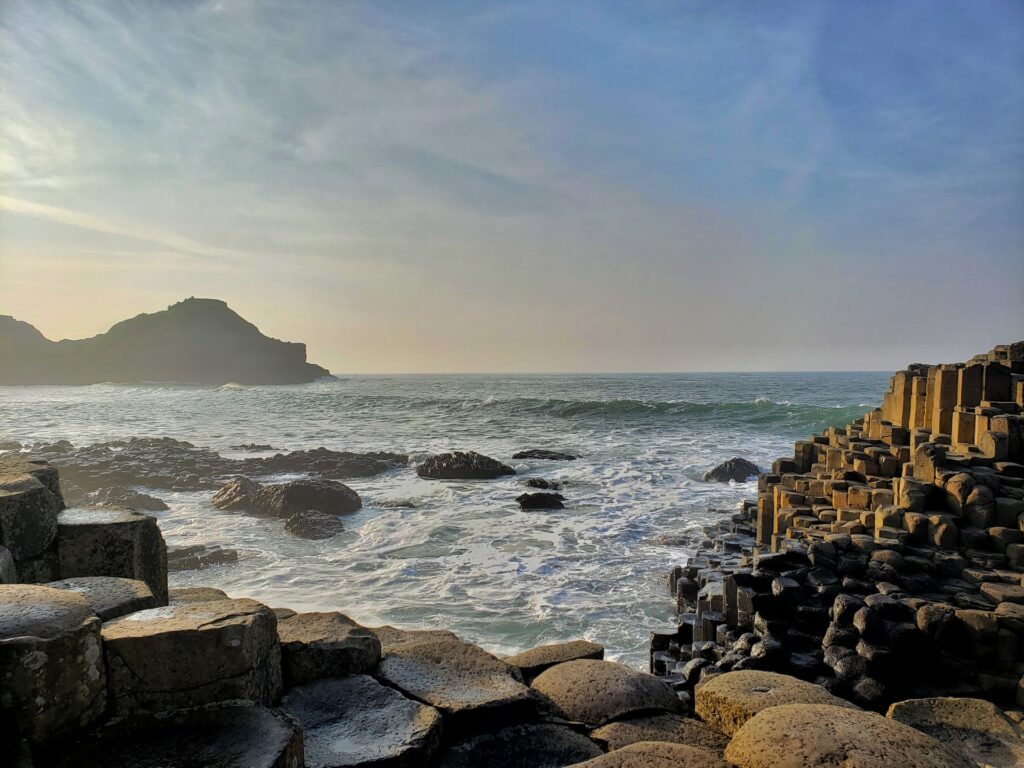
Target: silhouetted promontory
point(196, 341)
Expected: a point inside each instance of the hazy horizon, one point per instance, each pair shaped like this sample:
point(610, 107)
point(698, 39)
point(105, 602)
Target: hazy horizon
point(524, 187)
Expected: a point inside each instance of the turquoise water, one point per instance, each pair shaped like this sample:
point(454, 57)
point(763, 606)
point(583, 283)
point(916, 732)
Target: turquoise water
point(466, 557)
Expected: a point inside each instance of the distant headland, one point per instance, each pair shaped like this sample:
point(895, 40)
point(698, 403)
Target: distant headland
point(196, 341)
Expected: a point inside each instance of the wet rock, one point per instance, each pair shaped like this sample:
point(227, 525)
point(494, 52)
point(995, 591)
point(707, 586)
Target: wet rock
point(121, 497)
point(196, 557)
point(51, 661)
point(534, 661)
point(187, 595)
point(735, 469)
point(122, 543)
point(655, 754)
point(309, 524)
point(356, 721)
point(252, 447)
point(664, 727)
point(542, 745)
point(974, 727)
point(730, 700)
point(540, 453)
point(595, 692)
point(824, 736)
point(541, 501)
point(315, 645)
point(286, 499)
point(109, 596)
point(30, 501)
point(234, 735)
point(192, 654)
point(546, 485)
point(457, 465)
point(473, 689)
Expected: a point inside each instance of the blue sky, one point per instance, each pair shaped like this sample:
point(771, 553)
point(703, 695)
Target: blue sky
point(524, 186)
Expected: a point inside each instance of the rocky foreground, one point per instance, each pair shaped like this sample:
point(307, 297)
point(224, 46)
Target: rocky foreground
point(104, 666)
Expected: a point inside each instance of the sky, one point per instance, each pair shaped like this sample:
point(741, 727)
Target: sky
point(524, 186)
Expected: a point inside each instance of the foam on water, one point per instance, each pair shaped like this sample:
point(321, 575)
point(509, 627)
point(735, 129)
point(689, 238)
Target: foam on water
point(467, 557)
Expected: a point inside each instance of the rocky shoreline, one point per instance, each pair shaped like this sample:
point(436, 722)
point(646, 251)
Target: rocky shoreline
point(871, 576)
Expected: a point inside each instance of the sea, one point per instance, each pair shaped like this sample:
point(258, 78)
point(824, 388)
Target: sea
point(464, 556)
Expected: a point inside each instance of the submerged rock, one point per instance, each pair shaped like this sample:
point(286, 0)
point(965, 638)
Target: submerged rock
point(199, 556)
point(459, 465)
point(252, 447)
point(735, 469)
point(545, 485)
point(356, 721)
point(121, 497)
point(313, 525)
point(540, 453)
point(286, 499)
point(541, 501)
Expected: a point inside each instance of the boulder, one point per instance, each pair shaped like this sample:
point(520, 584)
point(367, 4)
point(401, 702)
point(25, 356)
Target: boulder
point(196, 557)
point(544, 485)
point(30, 501)
point(123, 497)
point(309, 524)
point(122, 543)
point(192, 654)
point(185, 595)
point(543, 745)
point(735, 469)
point(234, 735)
point(356, 721)
point(286, 499)
point(534, 661)
point(541, 501)
point(110, 596)
point(51, 661)
point(470, 687)
point(540, 453)
point(825, 736)
point(656, 754)
point(974, 727)
point(664, 727)
point(595, 692)
point(315, 645)
point(457, 465)
point(729, 700)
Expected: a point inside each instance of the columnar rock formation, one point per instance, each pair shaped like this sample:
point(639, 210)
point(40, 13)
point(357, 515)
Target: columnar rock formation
point(885, 558)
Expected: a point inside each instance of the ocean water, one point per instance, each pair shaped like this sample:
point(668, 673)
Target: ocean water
point(466, 557)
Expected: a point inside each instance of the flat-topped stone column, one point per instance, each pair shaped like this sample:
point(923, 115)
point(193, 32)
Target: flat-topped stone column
point(193, 654)
point(30, 501)
point(103, 542)
point(109, 596)
point(52, 677)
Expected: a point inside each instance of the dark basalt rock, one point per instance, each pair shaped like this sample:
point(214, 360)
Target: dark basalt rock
point(198, 557)
point(309, 524)
point(252, 447)
point(540, 453)
point(541, 501)
point(179, 465)
point(459, 465)
point(735, 469)
point(120, 497)
point(288, 499)
point(546, 485)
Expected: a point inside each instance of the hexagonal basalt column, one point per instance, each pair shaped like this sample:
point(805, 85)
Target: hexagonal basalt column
point(129, 545)
point(193, 654)
point(29, 503)
point(52, 678)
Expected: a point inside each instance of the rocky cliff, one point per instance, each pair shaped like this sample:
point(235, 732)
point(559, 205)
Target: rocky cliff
point(196, 341)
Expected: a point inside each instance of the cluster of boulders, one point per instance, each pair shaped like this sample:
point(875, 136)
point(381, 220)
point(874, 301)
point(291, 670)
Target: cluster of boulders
point(460, 465)
point(884, 559)
point(112, 468)
point(309, 507)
